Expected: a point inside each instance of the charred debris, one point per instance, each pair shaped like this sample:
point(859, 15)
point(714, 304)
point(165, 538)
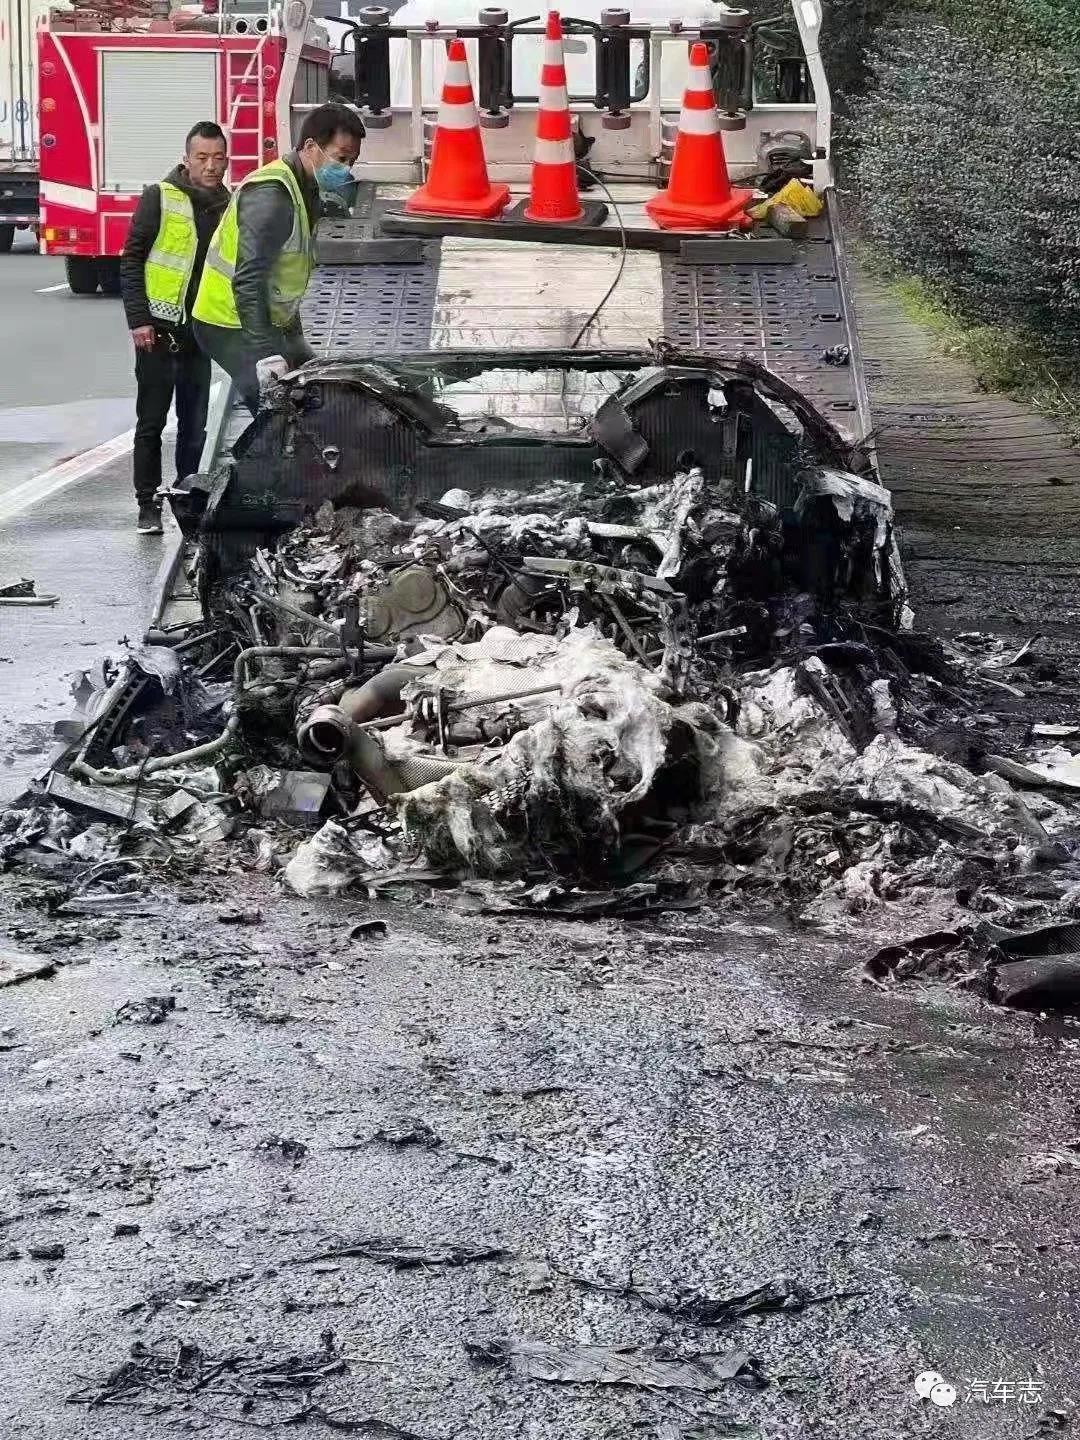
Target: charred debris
point(653, 654)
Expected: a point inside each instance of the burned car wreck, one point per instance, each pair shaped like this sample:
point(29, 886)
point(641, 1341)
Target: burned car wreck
point(646, 640)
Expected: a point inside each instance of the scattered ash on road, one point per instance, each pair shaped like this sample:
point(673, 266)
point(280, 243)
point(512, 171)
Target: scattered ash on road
point(533, 965)
point(591, 699)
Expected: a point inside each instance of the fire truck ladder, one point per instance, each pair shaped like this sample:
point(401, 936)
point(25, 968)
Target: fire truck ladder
point(245, 99)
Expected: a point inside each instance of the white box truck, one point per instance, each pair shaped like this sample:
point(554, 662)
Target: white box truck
point(19, 23)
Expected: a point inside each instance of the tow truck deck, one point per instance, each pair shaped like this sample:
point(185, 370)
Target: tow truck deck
point(498, 297)
point(785, 314)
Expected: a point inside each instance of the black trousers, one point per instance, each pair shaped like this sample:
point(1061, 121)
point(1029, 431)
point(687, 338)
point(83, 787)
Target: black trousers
point(236, 355)
point(161, 374)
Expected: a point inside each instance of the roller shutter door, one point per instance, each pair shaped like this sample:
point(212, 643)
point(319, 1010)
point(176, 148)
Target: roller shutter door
point(150, 100)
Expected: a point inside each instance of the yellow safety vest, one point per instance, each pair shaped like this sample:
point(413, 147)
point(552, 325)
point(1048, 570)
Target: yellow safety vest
point(215, 303)
point(167, 272)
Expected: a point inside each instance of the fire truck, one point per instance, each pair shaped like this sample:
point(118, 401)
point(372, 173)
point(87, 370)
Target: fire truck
point(118, 92)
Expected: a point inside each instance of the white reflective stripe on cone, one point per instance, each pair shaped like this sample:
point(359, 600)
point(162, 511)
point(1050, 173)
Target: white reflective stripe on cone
point(457, 117)
point(553, 97)
point(699, 122)
point(553, 52)
point(699, 78)
point(457, 73)
point(554, 152)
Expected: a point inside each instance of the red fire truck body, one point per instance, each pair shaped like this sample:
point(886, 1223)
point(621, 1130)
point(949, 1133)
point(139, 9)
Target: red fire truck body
point(116, 105)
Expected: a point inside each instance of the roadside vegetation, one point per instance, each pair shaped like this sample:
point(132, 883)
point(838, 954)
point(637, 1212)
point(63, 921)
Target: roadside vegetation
point(1005, 359)
point(959, 144)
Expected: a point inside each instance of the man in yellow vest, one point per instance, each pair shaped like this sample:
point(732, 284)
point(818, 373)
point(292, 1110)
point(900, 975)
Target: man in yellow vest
point(159, 279)
point(247, 313)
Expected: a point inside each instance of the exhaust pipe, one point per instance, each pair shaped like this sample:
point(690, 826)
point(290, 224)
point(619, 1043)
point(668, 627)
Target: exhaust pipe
point(326, 734)
point(381, 695)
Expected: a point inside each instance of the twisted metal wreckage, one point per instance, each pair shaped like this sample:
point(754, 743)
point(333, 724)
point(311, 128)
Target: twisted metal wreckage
point(662, 651)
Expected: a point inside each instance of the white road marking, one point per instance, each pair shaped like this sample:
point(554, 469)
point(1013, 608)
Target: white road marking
point(48, 289)
point(71, 472)
point(60, 477)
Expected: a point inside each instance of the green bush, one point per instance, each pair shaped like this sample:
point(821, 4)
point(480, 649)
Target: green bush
point(845, 38)
point(1005, 25)
point(963, 154)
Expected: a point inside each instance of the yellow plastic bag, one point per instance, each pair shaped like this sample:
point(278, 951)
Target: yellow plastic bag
point(795, 194)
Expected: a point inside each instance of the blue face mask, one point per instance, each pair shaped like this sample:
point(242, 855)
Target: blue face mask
point(333, 176)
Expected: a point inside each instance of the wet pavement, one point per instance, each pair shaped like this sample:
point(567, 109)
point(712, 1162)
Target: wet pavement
point(81, 546)
point(684, 1103)
point(66, 387)
point(699, 1100)
point(67, 379)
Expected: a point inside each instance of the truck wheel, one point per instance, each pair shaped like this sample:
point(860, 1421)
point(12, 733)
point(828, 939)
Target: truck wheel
point(7, 238)
point(82, 274)
point(109, 276)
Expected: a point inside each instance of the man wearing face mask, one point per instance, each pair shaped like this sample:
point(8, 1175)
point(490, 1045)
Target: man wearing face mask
point(247, 314)
point(159, 278)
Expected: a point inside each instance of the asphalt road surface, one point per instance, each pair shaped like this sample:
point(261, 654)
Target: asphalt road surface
point(67, 521)
point(610, 1111)
point(617, 1111)
point(67, 380)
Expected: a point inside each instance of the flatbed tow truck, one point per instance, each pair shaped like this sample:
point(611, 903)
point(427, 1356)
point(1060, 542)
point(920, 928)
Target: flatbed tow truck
point(473, 313)
point(451, 359)
point(618, 1113)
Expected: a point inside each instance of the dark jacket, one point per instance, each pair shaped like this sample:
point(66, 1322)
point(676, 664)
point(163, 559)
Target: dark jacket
point(265, 221)
point(208, 206)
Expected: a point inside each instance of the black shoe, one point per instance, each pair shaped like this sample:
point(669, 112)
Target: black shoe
point(149, 518)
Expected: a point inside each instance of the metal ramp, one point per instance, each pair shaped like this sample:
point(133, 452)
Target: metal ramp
point(511, 294)
point(786, 316)
point(370, 309)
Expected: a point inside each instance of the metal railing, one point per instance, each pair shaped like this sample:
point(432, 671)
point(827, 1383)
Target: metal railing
point(627, 105)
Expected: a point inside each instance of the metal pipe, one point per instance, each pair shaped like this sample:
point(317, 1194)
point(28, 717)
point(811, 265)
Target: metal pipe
point(376, 654)
point(205, 669)
point(328, 730)
point(158, 762)
point(293, 652)
point(620, 620)
point(372, 699)
point(705, 639)
point(294, 611)
point(498, 699)
point(327, 733)
point(416, 84)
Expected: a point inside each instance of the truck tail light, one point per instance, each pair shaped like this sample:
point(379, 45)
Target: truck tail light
point(67, 234)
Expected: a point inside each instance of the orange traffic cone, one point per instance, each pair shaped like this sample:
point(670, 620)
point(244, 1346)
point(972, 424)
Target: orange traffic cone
point(457, 182)
point(699, 195)
point(554, 194)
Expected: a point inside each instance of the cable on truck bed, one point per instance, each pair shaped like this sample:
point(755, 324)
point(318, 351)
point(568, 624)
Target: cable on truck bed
point(622, 257)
